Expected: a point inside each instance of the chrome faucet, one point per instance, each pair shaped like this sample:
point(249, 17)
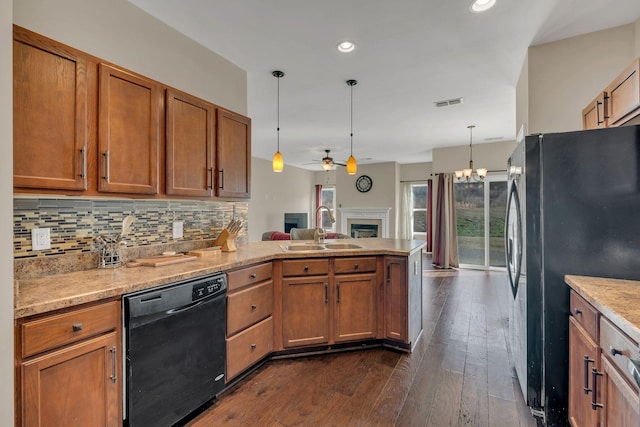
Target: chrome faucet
point(318, 235)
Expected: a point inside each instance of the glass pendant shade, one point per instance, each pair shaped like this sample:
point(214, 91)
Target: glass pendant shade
point(278, 162)
point(352, 166)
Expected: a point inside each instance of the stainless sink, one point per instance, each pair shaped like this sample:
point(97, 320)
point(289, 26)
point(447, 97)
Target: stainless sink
point(305, 247)
point(342, 246)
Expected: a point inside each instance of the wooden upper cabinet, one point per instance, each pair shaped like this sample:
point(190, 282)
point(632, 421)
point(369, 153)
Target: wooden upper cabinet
point(594, 115)
point(624, 94)
point(129, 123)
point(49, 114)
point(190, 124)
point(233, 158)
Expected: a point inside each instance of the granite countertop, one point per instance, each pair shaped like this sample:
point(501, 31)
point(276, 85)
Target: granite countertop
point(44, 294)
point(617, 299)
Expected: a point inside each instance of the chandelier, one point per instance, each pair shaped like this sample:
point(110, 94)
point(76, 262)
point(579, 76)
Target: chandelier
point(469, 173)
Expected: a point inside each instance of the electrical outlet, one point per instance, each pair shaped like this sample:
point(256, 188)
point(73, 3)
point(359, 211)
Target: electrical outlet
point(177, 229)
point(40, 238)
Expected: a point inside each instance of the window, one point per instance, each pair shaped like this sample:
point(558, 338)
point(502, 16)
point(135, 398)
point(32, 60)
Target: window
point(328, 197)
point(480, 215)
point(419, 210)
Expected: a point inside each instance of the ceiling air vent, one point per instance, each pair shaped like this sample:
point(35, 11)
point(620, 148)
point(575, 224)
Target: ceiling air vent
point(448, 102)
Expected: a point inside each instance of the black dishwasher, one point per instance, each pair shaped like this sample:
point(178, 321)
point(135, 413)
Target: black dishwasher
point(175, 350)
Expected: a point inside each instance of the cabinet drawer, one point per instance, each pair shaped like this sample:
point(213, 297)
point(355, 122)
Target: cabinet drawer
point(61, 329)
point(305, 267)
point(249, 346)
point(247, 306)
point(248, 276)
point(355, 265)
point(613, 340)
point(585, 314)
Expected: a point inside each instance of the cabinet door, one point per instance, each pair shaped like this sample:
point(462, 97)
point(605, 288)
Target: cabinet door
point(395, 299)
point(189, 141)
point(233, 157)
point(129, 132)
point(624, 94)
point(75, 386)
point(305, 311)
point(594, 115)
point(584, 355)
point(620, 400)
point(356, 308)
point(49, 114)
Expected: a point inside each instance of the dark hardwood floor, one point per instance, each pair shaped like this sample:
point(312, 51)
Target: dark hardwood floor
point(460, 373)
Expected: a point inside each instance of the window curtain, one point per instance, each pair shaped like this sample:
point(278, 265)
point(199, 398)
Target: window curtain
point(406, 228)
point(429, 215)
point(318, 203)
point(445, 244)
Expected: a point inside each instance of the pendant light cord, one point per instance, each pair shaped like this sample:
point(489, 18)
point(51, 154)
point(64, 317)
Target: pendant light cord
point(351, 120)
point(278, 115)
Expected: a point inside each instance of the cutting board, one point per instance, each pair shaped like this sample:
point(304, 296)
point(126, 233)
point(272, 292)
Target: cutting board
point(206, 252)
point(162, 260)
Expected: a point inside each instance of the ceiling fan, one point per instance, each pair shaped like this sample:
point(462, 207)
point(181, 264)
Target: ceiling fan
point(327, 162)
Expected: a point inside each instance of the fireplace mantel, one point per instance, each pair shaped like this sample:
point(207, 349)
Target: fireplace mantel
point(365, 213)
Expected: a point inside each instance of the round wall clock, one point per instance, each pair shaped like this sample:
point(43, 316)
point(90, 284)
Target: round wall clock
point(364, 183)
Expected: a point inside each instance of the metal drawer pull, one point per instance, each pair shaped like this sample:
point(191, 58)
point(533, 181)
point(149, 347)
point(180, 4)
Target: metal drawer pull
point(253, 346)
point(355, 266)
point(615, 352)
point(587, 390)
point(577, 311)
point(594, 378)
point(253, 307)
point(113, 365)
point(253, 275)
point(77, 327)
point(306, 268)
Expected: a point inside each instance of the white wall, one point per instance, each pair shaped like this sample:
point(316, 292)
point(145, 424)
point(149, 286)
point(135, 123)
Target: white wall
point(415, 171)
point(492, 156)
point(636, 31)
point(564, 76)
point(6, 213)
point(119, 32)
point(273, 194)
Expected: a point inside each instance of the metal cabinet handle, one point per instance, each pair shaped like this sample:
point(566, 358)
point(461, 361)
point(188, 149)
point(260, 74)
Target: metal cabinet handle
point(253, 307)
point(106, 165)
point(77, 327)
point(210, 185)
point(598, 121)
point(587, 390)
point(253, 346)
point(615, 351)
point(253, 275)
point(221, 178)
point(388, 274)
point(338, 293)
point(355, 266)
point(606, 98)
point(326, 293)
point(594, 378)
point(113, 364)
point(83, 166)
point(577, 311)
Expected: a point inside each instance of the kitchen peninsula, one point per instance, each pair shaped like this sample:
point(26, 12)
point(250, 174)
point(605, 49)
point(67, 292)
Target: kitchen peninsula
point(299, 301)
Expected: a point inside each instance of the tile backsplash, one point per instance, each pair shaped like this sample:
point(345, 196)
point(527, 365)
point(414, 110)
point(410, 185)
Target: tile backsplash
point(75, 222)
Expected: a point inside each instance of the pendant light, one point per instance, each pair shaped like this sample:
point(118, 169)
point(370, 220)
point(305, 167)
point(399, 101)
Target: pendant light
point(278, 161)
point(469, 173)
point(352, 166)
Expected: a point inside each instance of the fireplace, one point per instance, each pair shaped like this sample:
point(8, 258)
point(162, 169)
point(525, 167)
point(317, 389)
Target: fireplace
point(365, 222)
point(294, 220)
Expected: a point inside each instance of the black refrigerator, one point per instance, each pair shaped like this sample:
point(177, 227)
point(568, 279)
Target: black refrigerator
point(573, 208)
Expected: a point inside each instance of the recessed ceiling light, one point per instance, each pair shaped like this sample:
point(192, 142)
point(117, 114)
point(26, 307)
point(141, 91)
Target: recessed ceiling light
point(346, 46)
point(482, 5)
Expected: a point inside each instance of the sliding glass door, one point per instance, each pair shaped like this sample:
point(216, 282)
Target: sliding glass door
point(480, 215)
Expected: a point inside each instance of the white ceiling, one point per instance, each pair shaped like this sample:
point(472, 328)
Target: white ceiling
point(410, 54)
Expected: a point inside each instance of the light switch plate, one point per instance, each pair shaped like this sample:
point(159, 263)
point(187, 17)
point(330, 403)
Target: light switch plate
point(177, 229)
point(40, 238)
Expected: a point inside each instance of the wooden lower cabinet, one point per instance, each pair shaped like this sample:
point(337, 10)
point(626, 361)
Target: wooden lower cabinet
point(75, 386)
point(305, 311)
point(395, 299)
point(619, 399)
point(584, 355)
point(249, 346)
point(355, 307)
point(70, 371)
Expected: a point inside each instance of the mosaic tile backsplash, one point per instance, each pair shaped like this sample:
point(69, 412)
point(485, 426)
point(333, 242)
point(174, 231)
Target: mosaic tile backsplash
point(74, 223)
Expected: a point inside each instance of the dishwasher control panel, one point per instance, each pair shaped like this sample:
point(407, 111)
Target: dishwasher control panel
point(209, 286)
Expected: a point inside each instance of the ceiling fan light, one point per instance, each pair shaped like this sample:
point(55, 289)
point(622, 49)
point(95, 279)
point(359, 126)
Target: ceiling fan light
point(326, 166)
point(352, 166)
point(278, 162)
